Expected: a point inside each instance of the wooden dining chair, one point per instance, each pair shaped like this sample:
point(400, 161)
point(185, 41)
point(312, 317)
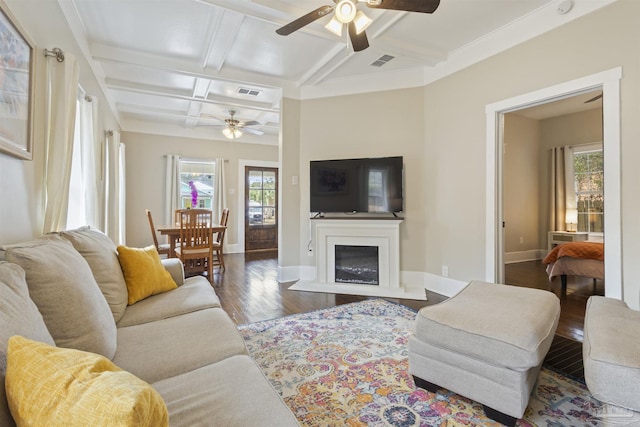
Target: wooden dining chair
point(163, 249)
point(195, 248)
point(219, 242)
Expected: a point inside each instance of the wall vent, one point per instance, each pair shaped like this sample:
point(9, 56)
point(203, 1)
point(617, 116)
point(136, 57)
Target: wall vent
point(249, 92)
point(382, 60)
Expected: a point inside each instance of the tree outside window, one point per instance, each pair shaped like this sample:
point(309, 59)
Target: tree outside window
point(588, 168)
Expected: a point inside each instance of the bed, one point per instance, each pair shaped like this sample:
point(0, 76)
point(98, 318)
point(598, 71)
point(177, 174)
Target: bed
point(585, 259)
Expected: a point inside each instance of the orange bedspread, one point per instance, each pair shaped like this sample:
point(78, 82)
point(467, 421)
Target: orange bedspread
point(584, 250)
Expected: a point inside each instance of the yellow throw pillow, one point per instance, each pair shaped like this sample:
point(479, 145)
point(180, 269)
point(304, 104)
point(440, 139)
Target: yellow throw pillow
point(53, 386)
point(144, 273)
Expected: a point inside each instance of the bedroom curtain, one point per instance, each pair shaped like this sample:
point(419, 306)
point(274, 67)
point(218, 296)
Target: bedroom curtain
point(61, 95)
point(114, 191)
point(563, 193)
point(220, 191)
point(171, 187)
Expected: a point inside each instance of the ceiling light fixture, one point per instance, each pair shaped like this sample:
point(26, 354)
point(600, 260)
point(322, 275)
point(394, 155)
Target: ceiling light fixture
point(345, 11)
point(232, 132)
point(361, 22)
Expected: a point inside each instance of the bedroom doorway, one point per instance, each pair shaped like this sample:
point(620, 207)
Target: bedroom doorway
point(609, 83)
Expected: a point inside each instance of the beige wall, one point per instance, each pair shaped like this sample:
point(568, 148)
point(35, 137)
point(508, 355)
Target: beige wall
point(442, 134)
point(291, 210)
point(521, 184)
point(21, 188)
point(370, 125)
point(145, 176)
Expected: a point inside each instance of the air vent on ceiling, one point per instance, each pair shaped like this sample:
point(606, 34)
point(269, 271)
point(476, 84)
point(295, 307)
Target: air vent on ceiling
point(250, 92)
point(382, 60)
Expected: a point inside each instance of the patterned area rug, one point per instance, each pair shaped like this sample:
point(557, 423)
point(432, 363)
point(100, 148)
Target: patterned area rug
point(348, 366)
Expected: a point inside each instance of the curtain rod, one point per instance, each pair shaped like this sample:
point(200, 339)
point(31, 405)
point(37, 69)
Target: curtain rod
point(56, 52)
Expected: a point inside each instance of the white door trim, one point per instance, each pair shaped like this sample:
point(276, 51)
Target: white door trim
point(242, 163)
point(609, 81)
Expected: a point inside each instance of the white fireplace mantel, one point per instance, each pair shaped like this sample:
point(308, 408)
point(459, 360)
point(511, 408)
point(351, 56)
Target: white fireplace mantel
point(381, 232)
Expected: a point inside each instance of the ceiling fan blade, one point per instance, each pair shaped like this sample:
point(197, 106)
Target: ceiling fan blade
point(423, 6)
point(595, 98)
point(358, 41)
point(251, 123)
point(252, 131)
point(304, 20)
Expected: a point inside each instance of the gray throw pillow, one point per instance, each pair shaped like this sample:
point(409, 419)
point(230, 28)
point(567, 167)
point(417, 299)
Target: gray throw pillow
point(101, 255)
point(18, 316)
point(63, 287)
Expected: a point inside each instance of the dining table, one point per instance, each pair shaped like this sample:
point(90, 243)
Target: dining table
point(172, 231)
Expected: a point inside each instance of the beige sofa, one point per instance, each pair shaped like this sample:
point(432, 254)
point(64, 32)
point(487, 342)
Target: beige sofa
point(181, 341)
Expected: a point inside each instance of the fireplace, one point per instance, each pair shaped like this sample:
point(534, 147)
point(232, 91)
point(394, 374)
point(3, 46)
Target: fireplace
point(357, 264)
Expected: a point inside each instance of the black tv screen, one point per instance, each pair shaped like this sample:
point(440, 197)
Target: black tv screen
point(356, 185)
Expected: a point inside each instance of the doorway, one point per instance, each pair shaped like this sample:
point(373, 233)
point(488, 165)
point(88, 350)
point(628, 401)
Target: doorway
point(261, 208)
point(609, 83)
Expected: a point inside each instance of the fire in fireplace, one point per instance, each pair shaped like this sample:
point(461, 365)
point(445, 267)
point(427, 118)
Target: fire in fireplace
point(357, 264)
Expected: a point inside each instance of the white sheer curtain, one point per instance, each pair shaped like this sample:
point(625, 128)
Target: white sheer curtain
point(220, 191)
point(61, 89)
point(171, 187)
point(84, 186)
point(563, 193)
point(114, 192)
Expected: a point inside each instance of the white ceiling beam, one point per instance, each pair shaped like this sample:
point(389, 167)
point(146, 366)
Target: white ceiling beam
point(225, 31)
point(103, 53)
point(121, 86)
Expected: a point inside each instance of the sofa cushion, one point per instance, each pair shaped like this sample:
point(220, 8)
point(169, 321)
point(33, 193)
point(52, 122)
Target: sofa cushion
point(144, 273)
point(100, 253)
point(18, 316)
point(211, 396)
point(173, 346)
point(62, 286)
point(195, 294)
point(55, 386)
point(610, 352)
point(503, 325)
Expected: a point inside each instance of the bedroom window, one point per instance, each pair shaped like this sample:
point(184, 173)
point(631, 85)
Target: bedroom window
point(588, 165)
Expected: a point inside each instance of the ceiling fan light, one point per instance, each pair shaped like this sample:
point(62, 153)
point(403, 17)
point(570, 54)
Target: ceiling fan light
point(345, 11)
point(362, 22)
point(232, 133)
point(335, 26)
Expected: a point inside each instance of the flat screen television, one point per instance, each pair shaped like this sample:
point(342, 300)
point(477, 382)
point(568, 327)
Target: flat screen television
point(372, 185)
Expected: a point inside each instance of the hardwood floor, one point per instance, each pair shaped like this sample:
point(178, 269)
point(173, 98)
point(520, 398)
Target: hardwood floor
point(249, 292)
point(532, 274)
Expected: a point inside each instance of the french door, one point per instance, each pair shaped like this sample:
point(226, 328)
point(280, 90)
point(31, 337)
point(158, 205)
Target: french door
point(261, 208)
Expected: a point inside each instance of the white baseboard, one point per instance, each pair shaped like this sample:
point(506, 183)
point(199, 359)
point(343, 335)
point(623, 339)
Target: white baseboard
point(288, 274)
point(522, 256)
point(232, 249)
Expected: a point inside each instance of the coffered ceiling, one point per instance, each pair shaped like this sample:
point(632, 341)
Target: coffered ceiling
point(177, 67)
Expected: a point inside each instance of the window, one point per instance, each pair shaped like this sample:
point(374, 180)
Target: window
point(262, 197)
point(197, 182)
point(588, 168)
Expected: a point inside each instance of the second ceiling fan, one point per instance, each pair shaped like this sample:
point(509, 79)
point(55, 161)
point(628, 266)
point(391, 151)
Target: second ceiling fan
point(347, 13)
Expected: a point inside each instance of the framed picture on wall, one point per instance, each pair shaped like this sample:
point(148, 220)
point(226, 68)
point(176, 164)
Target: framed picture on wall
point(16, 87)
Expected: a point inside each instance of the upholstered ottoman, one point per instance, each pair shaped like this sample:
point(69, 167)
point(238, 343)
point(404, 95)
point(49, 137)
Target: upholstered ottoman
point(486, 343)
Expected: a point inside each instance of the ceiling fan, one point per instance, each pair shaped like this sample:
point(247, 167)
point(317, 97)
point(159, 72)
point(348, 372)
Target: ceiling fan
point(346, 13)
point(233, 128)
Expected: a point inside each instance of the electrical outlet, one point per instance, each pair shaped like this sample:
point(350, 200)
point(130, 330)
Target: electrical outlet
point(521, 240)
point(310, 252)
point(445, 271)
